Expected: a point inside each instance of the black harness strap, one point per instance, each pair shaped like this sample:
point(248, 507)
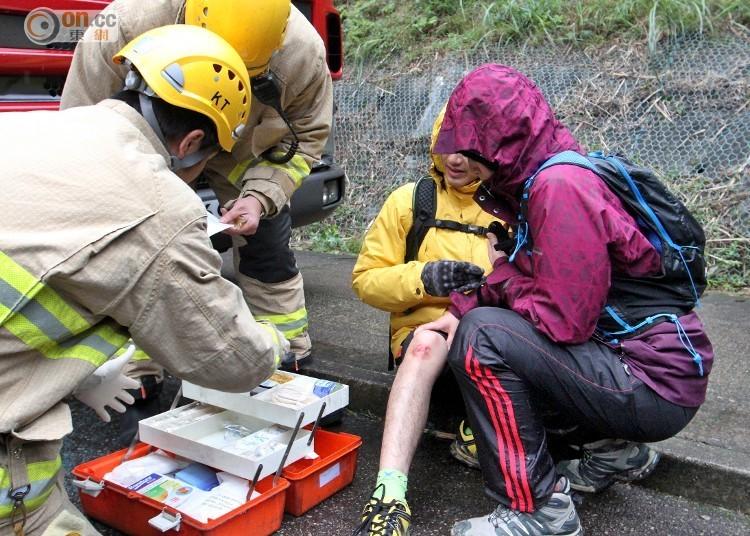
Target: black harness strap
point(424, 205)
point(424, 208)
point(456, 226)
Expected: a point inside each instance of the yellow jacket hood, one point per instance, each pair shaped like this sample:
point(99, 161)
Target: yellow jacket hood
point(382, 279)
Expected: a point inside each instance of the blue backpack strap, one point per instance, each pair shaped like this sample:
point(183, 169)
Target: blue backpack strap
point(664, 235)
point(639, 197)
point(522, 239)
point(627, 329)
point(565, 157)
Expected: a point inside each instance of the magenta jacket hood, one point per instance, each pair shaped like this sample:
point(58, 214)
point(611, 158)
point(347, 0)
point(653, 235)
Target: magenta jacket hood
point(500, 114)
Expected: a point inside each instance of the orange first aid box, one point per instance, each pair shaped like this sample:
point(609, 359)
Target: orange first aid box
point(138, 515)
point(315, 463)
point(313, 481)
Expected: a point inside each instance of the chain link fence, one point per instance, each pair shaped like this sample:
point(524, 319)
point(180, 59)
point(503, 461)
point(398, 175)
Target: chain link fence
point(682, 109)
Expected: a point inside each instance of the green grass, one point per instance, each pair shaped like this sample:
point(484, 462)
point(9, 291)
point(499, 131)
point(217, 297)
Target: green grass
point(719, 210)
point(419, 28)
point(326, 237)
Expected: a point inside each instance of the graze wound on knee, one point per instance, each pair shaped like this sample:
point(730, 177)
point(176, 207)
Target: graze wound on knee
point(422, 350)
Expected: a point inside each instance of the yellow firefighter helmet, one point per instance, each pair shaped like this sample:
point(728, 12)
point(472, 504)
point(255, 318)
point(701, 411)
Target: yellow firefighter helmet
point(193, 68)
point(255, 28)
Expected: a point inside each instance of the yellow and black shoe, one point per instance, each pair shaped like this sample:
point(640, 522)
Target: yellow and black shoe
point(464, 448)
point(384, 516)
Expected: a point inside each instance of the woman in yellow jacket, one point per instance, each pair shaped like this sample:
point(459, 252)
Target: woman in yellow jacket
point(416, 292)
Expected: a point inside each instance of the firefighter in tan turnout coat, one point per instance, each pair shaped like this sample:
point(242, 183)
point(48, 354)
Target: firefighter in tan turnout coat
point(254, 179)
point(102, 236)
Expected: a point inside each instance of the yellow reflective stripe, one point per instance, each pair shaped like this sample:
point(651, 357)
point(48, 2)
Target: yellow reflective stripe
point(292, 333)
point(95, 347)
point(26, 331)
point(239, 170)
point(299, 314)
point(42, 320)
point(112, 333)
point(44, 469)
point(17, 276)
point(30, 287)
point(36, 471)
point(31, 504)
point(140, 355)
point(297, 168)
point(41, 477)
point(67, 316)
point(291, 324)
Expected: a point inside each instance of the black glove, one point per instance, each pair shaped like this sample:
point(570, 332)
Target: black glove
point(504, 241)
point(441, 277)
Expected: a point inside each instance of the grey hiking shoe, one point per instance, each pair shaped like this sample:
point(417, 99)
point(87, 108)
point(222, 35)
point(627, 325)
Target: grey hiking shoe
point(608, 460)
point(557, 517)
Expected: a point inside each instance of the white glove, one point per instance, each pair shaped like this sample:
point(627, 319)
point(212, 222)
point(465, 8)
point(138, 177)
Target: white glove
point(107, 387)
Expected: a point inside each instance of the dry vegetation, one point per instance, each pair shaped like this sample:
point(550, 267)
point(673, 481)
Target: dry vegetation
point(678, 104)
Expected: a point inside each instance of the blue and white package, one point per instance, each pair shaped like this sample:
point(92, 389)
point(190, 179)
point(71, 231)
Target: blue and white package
point(198, 475)
point(323, 388)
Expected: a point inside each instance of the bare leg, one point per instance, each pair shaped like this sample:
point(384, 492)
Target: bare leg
point(410, 399)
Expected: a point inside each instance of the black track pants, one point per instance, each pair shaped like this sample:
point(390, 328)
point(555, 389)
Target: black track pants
point(511, 376)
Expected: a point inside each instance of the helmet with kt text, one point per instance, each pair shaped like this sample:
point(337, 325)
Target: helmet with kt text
point(255, 28)
point(193, 68)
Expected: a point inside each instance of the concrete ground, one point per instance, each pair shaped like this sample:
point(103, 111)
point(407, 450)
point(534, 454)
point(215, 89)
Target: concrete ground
point(701, 487)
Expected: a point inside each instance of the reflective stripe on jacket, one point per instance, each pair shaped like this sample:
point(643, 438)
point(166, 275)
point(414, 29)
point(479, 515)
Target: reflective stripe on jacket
point(39, 317)
point(35, 465)
point(42, 476)
point(290, 325)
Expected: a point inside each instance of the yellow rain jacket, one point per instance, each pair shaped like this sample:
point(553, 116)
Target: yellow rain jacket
point(382, 279)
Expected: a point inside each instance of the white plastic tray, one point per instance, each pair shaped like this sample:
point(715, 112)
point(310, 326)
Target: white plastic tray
point(201, 440)
point(260, 403)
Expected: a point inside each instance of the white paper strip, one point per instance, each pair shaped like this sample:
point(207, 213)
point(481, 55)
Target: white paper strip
point(214, 225)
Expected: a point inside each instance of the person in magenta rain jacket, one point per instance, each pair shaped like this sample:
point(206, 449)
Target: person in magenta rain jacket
point(525, 346)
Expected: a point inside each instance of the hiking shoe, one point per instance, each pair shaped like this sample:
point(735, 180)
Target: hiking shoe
point(608, 460)
point(384, 517)
point(557, 517)
point(463, 448)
